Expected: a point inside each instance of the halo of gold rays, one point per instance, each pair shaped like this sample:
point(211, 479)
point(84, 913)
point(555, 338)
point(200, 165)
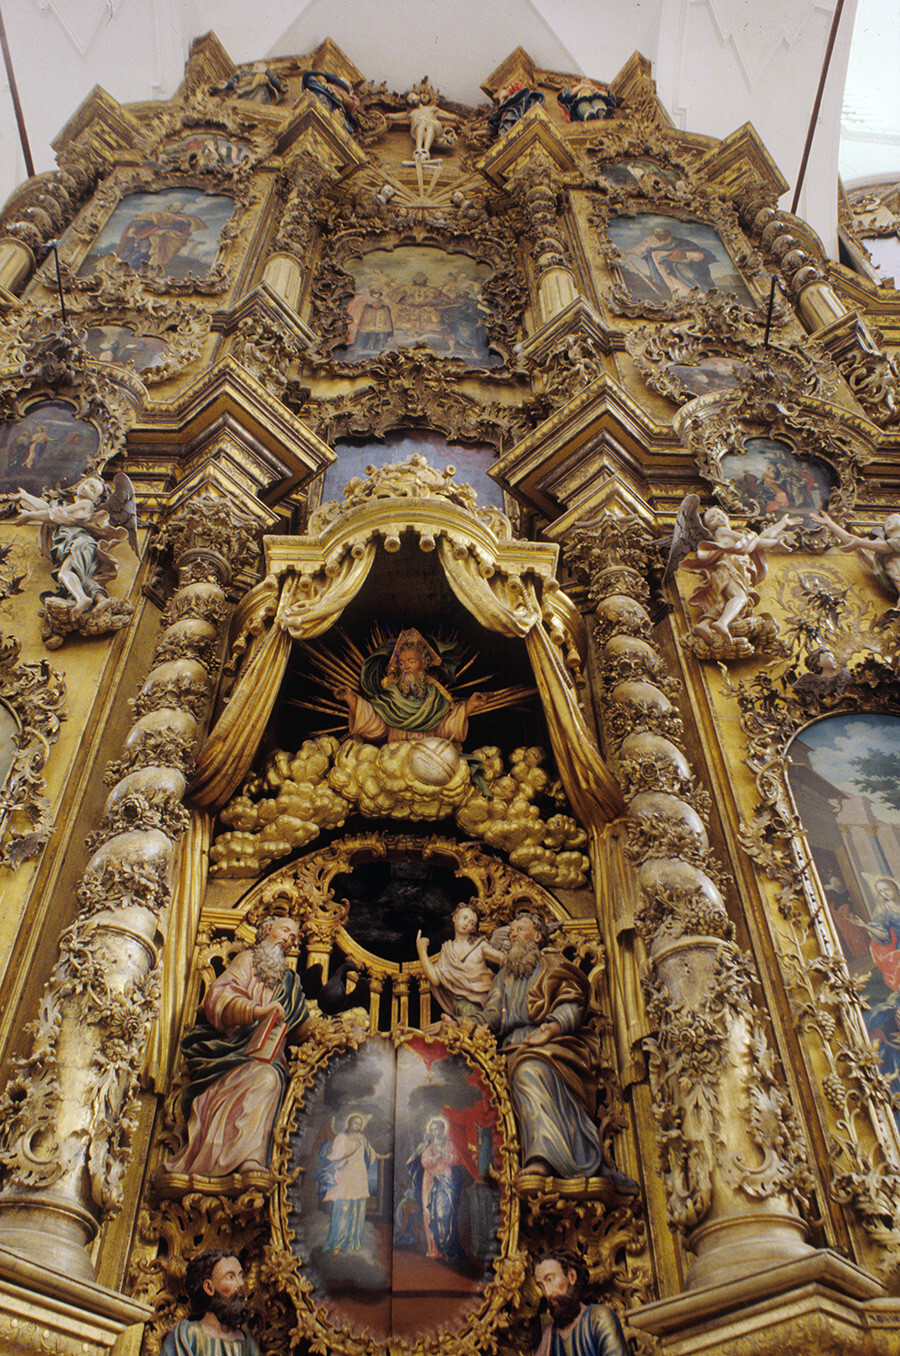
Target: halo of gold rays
point(341, 667)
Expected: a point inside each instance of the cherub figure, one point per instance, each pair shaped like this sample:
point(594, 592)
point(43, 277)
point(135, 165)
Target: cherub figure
point(459, 974)
point(729, 563)
point(881, 554)
point(79, 538)
point(825, 677)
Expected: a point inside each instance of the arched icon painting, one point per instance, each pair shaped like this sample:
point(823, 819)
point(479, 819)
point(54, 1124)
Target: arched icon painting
point(203, 149)
point(635, 171)
point(772, 477)
point(844, 774)
point(710, 376)
point(663, 259)
point(395, 1213)
point(49, 446)
point(175, 232)
point(417, 294)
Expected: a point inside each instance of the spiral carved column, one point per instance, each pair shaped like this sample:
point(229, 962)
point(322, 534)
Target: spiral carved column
point(731, 1150)
point(67, 1115)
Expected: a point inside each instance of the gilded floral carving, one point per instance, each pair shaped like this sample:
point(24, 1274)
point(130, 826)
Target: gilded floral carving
point(34, 695)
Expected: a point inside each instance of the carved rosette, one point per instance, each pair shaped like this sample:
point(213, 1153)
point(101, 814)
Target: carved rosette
point(68, 1113)
point(734, 1185)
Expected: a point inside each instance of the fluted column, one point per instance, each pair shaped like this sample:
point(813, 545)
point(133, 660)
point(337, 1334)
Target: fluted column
point(731, 1150)
point(66, 1117)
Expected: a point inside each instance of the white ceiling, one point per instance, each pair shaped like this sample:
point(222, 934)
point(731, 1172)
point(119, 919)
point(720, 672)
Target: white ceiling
point(717, 63)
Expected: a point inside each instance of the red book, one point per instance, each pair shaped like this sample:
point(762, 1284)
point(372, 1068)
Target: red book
point(266, 1038)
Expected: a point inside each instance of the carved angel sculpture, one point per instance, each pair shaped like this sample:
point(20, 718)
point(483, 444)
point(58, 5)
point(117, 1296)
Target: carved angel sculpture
point(881, 554)
point(78, 538)
point(729, 564)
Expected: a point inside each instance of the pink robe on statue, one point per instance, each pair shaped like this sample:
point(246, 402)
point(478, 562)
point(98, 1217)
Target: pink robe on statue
point(230, 1122)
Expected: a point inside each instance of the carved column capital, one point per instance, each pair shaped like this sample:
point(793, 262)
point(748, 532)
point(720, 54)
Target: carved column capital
point(209, 540)
point(613, 542)
point(536, 189)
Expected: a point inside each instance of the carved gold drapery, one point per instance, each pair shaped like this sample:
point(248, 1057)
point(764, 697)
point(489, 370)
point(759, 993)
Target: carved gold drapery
point(180, 930)
point(307, 607)
point(495, 579)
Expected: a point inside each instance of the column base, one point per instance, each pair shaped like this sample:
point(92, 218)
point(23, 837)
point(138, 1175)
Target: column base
point(744, 1244)
point(815, 1304)
point(44, 1310)
point(50, 1233)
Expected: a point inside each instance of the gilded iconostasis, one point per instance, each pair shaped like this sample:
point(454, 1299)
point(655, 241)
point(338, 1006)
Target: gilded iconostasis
point(448, 723)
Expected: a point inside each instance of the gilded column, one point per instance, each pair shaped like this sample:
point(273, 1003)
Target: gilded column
point(286, 265)
point(67, 1115)
point(730, 1147)
point(872, 374)
point(40, 209)
point(536, 191)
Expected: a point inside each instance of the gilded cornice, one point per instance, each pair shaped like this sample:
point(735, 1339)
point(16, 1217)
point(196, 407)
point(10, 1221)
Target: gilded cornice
point(602, 413)
point(349, 527)
point(276, 449)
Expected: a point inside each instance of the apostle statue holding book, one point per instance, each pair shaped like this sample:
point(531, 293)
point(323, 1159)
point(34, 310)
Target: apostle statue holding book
point(235, 1058)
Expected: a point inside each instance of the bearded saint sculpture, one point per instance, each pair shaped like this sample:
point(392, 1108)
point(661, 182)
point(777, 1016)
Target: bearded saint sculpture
point(403, 700)
point(235, 1058)
point(536, 1008)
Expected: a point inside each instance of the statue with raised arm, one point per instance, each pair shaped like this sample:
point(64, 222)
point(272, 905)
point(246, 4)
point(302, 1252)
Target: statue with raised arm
point(401, 697)
point(577, 1327)
point(78, 538)
point(430, 126)
point(881, 554)
point(459, 974)
point(729, 563)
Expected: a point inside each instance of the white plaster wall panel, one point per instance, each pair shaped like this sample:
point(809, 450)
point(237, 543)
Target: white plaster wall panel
point(725, 62)
point(131, 55)
point(604, 34)
point(82, 20)
point(456, 44)
point(870, 129)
